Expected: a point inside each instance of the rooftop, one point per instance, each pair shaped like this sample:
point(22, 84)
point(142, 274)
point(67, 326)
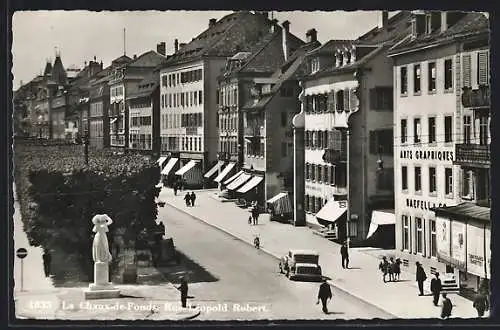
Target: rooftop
point(468, 210)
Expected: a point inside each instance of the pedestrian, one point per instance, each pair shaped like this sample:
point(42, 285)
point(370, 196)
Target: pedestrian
point(447, 307)
point(325, 293)
point(187, 199)
point(175, 188)
point(397, 269)
point(421, 277)
point(250, 220)
point(184, 291)
point(193, 198)
point(384, 267)
point(436, 288)
point(391, 269)
point(47, 260)
point(481, 304)
point(256, 215)
point(344, 252)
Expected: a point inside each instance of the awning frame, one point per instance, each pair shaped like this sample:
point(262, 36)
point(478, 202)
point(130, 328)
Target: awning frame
point(187, 167)
point(239, 181)
point(170, 165)
point(214, 169)
point(251, 184)
point(224, 172)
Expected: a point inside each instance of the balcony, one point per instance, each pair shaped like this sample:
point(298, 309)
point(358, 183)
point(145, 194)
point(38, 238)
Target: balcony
point(254, 131)
point(334, 156)
point(475, 155)
point(476, 98)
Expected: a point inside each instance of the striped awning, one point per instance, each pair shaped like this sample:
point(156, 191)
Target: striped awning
point(224, 172)
point(161, 160)
point(250, 184)
point(281, 203)
point(170, 165)
point(186, 167)
point(239, 181)
point(213, 169)
point(233, 177)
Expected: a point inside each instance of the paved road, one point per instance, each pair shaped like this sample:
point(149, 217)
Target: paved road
point(246, 275)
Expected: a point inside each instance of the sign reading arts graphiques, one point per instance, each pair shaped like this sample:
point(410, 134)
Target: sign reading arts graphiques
point(458, 244)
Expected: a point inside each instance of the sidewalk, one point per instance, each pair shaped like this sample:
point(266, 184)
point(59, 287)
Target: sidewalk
point(363, 280)
point(159, 302)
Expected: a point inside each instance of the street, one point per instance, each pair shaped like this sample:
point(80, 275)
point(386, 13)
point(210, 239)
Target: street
point(248, 276)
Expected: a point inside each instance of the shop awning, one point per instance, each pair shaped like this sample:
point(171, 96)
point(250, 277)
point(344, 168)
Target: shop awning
point(213, 169)
point(233, 177)
point(465, 210)
point(170, 165)
point(186, 167)
point(281, 203)
point(239, 181)
point(224, 172)
point(113, 120)
point(332, 210)
point(250, 184)
point(380, 218)
point(161, 160)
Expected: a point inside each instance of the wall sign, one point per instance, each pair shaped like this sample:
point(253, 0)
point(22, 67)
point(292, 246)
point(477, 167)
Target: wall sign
point(427, 155)
point(475, 249)
point(422, 205)
point(443, 232)
point(458, 244)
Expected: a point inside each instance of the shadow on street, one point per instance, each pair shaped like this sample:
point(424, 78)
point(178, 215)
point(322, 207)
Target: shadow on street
point(195, 272)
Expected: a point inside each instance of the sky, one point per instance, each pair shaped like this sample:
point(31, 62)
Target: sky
point(81, 35)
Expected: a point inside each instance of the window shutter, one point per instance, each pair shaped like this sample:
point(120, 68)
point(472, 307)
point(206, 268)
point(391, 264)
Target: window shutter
point(353, 99)
point(466, 65)
point(310, 171)
point(331, 138)
point(328, 174)
point(482, 71)
point(373, 142)
point(306, 139)
point(346, 99)
point(330, 107)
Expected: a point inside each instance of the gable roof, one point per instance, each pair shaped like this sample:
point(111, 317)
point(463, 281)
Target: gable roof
point(396, 26)
point(147, 59)
point(233, 33)
point(146, 86)
point(470, 24)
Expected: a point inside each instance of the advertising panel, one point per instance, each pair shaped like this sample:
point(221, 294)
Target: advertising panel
point(458, 244)
point(488, 251)
point(475, 249)
point(443, 232)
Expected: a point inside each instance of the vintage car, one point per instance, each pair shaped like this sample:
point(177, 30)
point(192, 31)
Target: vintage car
point(301, 264)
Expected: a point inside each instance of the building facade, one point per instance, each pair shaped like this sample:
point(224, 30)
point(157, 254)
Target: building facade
point(429, 123)
point(189, 94)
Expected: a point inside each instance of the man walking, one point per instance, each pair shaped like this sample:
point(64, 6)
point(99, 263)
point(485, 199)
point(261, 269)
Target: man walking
point(384, 267)
point(344, 252)
point(187, 199)
point(175, 188)
point(184, 291)
point(193, 198)
point(421, 277)
point(47, 260)
point(481, 304)
point(325, 293)
point(447, 307)
point(436, 288)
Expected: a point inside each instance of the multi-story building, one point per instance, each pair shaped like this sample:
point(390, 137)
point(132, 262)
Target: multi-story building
point(446, 52)
point(348, 133)
point(268, 134)
point(124, 80)
point(99, 99)
point(242, 71)
point(144, 112)
point(189, 93)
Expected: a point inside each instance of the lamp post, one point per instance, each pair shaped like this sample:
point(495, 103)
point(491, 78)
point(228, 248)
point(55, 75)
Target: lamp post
point(348, 220)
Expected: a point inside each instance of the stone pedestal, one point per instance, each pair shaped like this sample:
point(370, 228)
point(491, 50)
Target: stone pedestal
point(102, 288)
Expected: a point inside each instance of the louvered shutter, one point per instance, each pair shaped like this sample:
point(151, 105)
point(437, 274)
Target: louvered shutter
point(332, 175)
point(482, 71)
point(328, 174)
point(319, 174)
point(346, 99)
point(337, 142)
point(331, 138)
point(353, 99)
point(306, 139)
point(311, 171)
point(330, 102)
point(466, 74)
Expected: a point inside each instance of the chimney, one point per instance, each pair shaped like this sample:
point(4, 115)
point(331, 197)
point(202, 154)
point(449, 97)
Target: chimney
point(312, 35)
point(161, 48)
point(182, 45)
point(211, 22)
point(176, 46)
point(444, 21)
point(101, 65)
point(274, 25)
point(383, 18)
point(135, 57)
point(285, 31)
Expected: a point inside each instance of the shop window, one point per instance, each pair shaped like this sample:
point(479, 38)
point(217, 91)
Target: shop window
point(467, 184)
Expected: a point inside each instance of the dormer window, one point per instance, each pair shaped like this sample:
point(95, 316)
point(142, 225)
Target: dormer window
point(339, 59)
point(347, 57)
point(353, 55)
point(315, 65)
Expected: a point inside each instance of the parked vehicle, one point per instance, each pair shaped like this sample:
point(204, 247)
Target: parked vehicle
point(301, 264)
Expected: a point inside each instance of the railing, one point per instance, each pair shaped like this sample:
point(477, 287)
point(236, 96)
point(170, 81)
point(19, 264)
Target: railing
point(472, 154)
point(476, 98)
point(334, 156)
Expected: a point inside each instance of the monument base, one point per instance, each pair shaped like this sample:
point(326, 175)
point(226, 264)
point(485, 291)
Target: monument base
point(101, 288)
point(101, 294)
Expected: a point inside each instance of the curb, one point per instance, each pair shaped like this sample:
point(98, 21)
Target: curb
point(344, 290)
point(190, 317)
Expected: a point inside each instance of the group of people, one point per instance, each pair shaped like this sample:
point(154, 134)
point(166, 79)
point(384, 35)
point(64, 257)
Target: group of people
point(391, 268)
point(254, 215)
point(189, 198)
point(178, 185)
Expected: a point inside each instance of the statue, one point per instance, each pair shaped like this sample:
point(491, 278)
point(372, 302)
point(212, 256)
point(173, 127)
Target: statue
point(100, 247)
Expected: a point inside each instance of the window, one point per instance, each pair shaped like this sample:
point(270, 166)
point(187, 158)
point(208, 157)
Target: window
point(340, 100)
point(467, 184)
point(418, 179)
point(466, 67)
point(467, 129)
point(432, 129)
point(416, 78)
point(404, 130)
point(381, 142)
point(419, 238)
point(483, 130)
point(314, 65)
point(200, 97)
point(448, 133)
point(404, 80)
point(404, 177)
point(416, 130)
point(448, 74)
point(433, 241)
point(432, 180)
point(448, 176)
point(381, 98)
point(431, 72)
point(406, 232)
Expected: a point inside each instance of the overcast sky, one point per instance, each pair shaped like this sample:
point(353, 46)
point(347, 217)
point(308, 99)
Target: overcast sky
point(81, 35)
